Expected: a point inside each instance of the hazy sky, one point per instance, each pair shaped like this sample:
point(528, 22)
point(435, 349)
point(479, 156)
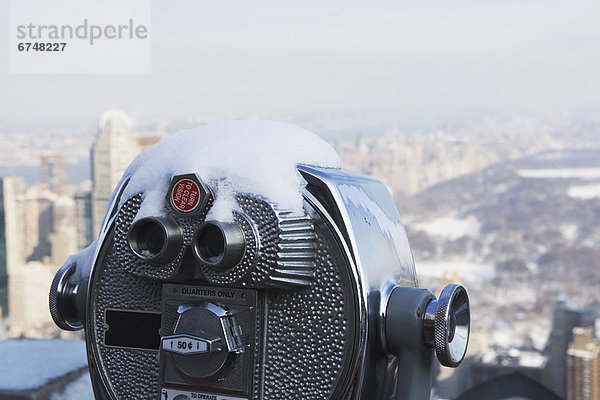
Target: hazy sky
point(431, 61)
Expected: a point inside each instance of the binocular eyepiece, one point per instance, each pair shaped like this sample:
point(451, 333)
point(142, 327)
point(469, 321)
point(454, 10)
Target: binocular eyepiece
point(155, 239)
point(309, 295)
point(219, 245)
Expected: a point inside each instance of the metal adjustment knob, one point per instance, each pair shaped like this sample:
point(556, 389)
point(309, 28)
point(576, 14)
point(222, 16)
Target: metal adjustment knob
point(446, 325)
point(63, 299)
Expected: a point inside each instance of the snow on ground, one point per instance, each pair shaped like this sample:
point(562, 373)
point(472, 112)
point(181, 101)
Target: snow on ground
point(79, 389)
point(581, 173)
point(569, 231)
point(451, 227)
point(465, 269)
point(554, 155)
point(30, 364)
point(585, 192)
point(505, 337)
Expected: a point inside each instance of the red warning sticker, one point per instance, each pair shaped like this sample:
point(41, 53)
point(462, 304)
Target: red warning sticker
point(185, 195)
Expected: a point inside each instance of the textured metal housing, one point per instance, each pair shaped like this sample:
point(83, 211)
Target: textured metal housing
point(323, 278)
point(307, 333)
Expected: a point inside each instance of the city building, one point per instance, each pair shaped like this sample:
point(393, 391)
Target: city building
point(83, 212)
point(29, 286)
point(114, 149)
point(112, 152)
point(41, 225)
point(408, 164)
point(54, 174)
point(564, 320)
point(9, 237)
point(37, 233)
point(583, 366)
point(36, 222)
point(63, 237)
point(3, 266)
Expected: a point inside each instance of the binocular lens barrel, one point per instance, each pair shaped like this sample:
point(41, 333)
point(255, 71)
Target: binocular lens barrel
point(211, 243)
point(155, 239)
point(150, 238)
point(220, 245)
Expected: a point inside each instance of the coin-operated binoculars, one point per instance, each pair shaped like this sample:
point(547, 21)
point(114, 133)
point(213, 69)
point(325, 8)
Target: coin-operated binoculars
point(238, 261)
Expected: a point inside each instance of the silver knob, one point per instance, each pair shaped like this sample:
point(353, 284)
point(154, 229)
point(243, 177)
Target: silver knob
point(446, 325)
point(63, 299)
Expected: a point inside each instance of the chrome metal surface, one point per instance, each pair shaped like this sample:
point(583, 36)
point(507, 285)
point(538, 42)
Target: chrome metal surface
point(220, 245)
point(68, 294)
point(429, 324)
point(212, 325)
point(404, 334)
point(446, 325)
point(63, 299)
point(113, 203)
point(155, 239)
point(361, 220)
point(363, 213)
point(367, 217)
point(100, 384)
point(385, 294)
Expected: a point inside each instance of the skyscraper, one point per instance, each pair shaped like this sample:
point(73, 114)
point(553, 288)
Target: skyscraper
point(83, 212)
point(54, 172)
point(583, 366)
point(9, 235)
point(28, 298)
point(564, 320)
point(37, 233)
point(36, 222)
point(112, 152)
point(63, 238)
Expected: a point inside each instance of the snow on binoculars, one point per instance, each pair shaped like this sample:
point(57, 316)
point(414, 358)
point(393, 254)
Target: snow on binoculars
point(239, 261)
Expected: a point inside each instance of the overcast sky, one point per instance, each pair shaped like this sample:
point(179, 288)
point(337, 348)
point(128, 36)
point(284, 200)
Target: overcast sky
point(433, 61)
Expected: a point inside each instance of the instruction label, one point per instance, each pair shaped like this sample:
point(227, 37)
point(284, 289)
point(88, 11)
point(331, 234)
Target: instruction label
point(172, 394)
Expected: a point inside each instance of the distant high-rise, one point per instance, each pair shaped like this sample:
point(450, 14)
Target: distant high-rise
point(83, 212)
point(564, 320)
point(583, 366)
point(10, 255)
point(54, 172)
point(36, 210)
point(28, 299)
point(37, 233)
point(112, 152)
point(63, 238)
point(3, 271)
